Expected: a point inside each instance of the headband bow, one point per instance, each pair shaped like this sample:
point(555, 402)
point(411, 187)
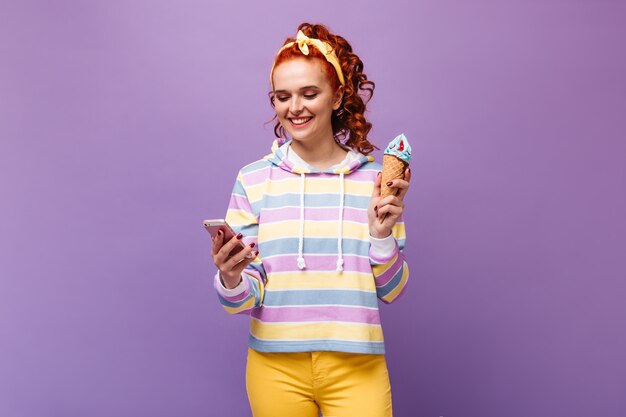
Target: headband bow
point(303, 42)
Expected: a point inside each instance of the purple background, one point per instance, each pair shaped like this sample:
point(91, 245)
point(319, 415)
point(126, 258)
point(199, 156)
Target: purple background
point(122, 127)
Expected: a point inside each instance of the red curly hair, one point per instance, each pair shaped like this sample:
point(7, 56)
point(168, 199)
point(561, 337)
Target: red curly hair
point(349, 120)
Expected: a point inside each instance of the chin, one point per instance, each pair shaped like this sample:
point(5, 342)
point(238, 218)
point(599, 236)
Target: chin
point(300, 138)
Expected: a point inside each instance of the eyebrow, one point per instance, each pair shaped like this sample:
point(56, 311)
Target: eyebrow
point(308, 87)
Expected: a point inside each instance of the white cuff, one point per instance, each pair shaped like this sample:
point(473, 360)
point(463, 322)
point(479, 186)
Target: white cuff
point(383, 248)
point(231, 292)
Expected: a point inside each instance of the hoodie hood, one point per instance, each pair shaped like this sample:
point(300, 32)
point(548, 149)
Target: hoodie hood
point(353, 162)
point(279, 158)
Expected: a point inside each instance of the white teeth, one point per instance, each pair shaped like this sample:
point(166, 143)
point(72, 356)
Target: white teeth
point(300, 121)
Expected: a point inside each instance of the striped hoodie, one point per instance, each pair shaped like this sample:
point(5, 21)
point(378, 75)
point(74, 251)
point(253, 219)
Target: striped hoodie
point(317, 279)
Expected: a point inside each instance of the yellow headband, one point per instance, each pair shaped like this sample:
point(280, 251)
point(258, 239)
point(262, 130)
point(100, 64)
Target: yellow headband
point(303, 42)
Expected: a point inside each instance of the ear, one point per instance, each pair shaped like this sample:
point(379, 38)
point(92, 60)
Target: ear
point(338, 97)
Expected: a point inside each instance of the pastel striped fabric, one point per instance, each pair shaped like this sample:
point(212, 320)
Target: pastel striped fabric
point(316, 308)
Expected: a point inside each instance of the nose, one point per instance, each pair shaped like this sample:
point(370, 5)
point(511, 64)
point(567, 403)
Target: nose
point(295, 106)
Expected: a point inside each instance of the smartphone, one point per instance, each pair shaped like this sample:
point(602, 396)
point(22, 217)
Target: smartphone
point(212, 226)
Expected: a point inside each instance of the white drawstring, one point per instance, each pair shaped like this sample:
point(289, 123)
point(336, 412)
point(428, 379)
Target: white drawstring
point(301, 264)
point(339, 226)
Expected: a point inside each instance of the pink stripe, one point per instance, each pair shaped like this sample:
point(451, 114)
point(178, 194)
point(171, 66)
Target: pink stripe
point(261, 175)
point(358, 176)
point(364, 176)
point(256, 177)
point(308, 313)
point(287, 263)
point(237, 297)
point(383, 279)
point(313, 213)
point(281, 174)
point(239, 203)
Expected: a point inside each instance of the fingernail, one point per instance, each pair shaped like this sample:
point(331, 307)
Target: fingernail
point(378, 173)
point(239, 236)
point(389, 184)
point(219, 233)
point(252, 244)
point(256, 253)
point(409, 170)
point(375, 208)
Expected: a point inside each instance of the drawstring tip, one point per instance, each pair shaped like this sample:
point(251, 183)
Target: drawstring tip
point(301, 264)
point(339, 265)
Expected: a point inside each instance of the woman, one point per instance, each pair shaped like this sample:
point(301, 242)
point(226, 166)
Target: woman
point(318, 256)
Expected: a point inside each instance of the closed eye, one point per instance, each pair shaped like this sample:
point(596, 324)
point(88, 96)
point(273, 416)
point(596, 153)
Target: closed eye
point(307, 96)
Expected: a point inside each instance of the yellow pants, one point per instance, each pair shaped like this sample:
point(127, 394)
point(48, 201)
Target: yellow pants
point(300, 384)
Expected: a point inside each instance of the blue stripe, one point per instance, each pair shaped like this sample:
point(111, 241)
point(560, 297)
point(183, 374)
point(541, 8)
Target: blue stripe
point(319, 297)
point(263, 163)
point(257, 266)
point(254, 166)
point(254, 284)
point(238, 189)
point(238, 304)
point(391, 285)
point(376, 348)
point(251, 230)
point(374, 166)
point(317, 245)
point(311, 200)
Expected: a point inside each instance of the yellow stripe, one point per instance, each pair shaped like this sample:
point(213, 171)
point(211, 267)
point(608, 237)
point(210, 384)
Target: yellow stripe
point(245, 306)
point(399, 230)
point(313, 185)
point(316, 279)
point(317, 330)
point(239, 217)
point(291, 228)
point(393, 294)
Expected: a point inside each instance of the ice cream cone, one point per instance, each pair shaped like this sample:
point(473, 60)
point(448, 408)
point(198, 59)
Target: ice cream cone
point(393, 168)
point(396, 159)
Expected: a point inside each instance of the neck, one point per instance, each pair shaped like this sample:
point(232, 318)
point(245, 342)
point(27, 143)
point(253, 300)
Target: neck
point(319, 154)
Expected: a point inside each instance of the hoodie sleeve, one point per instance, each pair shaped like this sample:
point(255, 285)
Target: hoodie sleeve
point(391, 271)
point(249, 294)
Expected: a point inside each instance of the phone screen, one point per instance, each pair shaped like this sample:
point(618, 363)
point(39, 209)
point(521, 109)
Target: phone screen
point(212, 226)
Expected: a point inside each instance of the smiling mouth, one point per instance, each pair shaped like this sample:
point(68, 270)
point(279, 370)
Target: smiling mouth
point(301, 121)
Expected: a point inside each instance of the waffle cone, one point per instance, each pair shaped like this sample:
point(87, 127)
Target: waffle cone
point(393, 168)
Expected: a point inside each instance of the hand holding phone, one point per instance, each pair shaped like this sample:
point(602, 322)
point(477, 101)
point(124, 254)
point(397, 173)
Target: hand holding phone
point(231, 262)
point(213, 226)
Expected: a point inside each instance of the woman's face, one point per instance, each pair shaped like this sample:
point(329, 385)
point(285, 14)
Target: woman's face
point(304, 99)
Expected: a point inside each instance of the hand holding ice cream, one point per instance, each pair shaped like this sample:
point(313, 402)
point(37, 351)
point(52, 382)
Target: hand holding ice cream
point(396, 159)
